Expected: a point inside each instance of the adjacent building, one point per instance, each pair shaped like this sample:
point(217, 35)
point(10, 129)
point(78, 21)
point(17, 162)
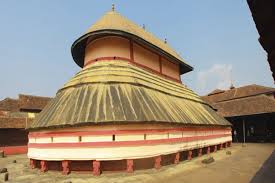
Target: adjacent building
point(250, 109)
point(15, 116)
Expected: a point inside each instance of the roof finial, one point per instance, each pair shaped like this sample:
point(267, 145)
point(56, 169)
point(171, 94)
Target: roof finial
point(113, 7)
point(143, 26)
point(165, 40)
point(231, 80)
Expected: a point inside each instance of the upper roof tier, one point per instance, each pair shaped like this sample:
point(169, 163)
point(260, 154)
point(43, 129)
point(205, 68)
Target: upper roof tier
point(112, 23)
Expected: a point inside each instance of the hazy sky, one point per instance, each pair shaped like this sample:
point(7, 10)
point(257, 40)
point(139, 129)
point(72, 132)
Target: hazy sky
point(216, 37)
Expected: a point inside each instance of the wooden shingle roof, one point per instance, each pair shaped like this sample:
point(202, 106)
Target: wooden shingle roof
point(31, 102)
point(118, 92)
point(246, 106)
point(245, 91)
point(246, 100)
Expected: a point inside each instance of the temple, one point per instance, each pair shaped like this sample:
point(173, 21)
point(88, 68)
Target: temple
point(126, 109)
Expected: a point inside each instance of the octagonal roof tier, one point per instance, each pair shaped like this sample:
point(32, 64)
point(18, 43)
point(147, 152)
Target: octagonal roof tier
point(112, 23)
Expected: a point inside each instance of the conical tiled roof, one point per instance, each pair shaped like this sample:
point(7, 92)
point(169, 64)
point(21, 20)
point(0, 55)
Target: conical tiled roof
point(118, 92)
point(113, 23)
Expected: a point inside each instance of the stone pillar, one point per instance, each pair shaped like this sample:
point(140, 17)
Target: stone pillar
point(199, 152)
point(208, 150)
point(96, 168)
point(157, 162)
point(32, 163)
point(130, 165)
point(65, 167)
point(44, 166)
point(177, 158)
point(189, 155)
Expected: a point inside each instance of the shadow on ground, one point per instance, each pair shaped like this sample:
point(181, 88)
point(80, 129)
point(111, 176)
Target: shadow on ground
point(266, 173)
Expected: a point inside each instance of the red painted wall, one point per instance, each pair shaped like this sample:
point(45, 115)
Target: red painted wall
point(13, 141)
point(10, 150)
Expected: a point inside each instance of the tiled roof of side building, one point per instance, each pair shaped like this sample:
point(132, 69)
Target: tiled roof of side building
point(231, 94)
point(33, 102)
point(246, 106)
point(24, 102)
point(9, 104)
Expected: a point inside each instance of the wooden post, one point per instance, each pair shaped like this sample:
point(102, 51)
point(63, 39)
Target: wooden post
point(177, 158)
point(96, 168)
point(208, 150)
point(189, 156)
point(65, 167)
point(130, 165)
point(199, 152)
point(243, 131)
point(32, 163)
point(44, 166)
point(215, 148)
point(221, 147)
point(157, 162)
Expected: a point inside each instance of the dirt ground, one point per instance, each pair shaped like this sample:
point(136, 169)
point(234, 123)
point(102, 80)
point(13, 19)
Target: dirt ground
point(250, 163)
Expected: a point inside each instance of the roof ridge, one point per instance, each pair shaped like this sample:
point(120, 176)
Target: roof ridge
point(238, 98)
point(34, 96)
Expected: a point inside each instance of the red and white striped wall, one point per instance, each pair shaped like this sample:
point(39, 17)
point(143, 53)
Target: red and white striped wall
point(118, 142)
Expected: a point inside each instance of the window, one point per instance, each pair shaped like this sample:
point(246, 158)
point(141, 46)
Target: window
point(114, 137)
point(80, 139)
point(144, 136)
point(52, 139)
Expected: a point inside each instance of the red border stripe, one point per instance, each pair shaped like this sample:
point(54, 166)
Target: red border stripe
point(10, 150)
point(115, 132)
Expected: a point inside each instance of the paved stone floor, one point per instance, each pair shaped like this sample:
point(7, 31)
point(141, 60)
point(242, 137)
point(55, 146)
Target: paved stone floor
point(253, 163)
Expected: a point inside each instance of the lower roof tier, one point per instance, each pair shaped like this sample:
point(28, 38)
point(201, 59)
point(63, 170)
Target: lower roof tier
point(118, 92)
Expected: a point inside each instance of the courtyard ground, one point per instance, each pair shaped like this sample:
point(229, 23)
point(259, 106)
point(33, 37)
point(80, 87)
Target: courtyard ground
point(253, 163)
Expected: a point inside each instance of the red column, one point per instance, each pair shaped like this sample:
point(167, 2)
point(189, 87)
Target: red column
point(96, 168)
point(130, 165)
point(66, 167)
point(189, 156)
point(32, 163)
point(199, 152)
point(229, 144)
point(221, 147)
point(208, 150)
point(215, 148)
point(177, 158)
point(157, 162)
point(44, 166)
point(225, 145)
